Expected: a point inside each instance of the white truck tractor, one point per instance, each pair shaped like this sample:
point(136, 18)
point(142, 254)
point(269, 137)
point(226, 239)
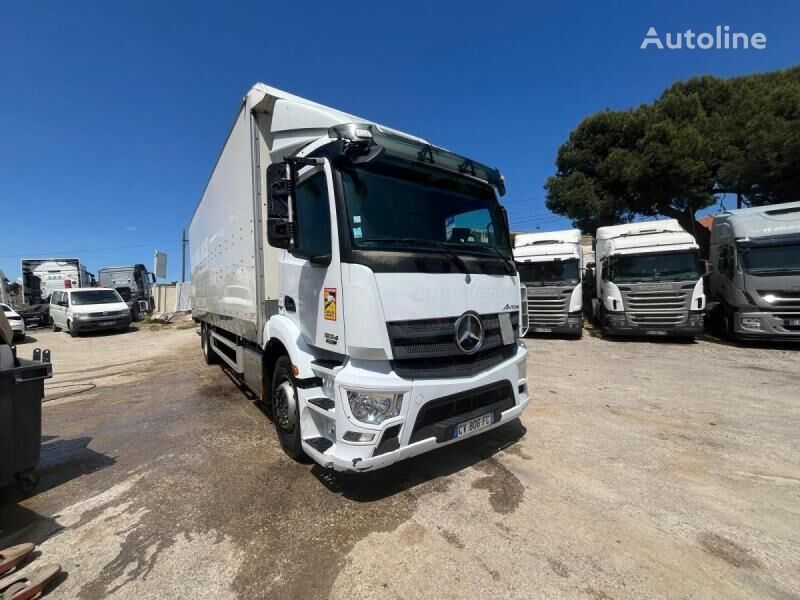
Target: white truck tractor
point(648, 280)
point(360, 280)
point(550, 266)
point(755, 281)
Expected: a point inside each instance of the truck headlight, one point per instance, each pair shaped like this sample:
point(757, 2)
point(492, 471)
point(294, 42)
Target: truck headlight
point(374, 407)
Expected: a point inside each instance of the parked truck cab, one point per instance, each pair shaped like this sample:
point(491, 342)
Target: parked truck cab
point(134, 283)
point(360, 280)
point(648, 280)
point(550, 267)
point(755, 278)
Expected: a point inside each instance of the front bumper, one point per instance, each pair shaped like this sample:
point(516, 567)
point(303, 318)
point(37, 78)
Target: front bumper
point(102, 323)
point(17, 327)
point(568, 328)
point(623, 324)
point(773, 326)
point(364, 456)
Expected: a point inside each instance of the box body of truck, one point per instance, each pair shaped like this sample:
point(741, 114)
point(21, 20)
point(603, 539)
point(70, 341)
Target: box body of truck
point(360, 280)
point(648, 280)
point(550, 266)
point(755, 278)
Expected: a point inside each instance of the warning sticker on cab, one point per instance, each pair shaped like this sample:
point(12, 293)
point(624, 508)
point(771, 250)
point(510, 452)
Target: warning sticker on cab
point(330, 304)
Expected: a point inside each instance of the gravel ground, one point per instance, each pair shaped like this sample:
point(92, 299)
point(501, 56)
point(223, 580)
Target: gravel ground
point(641, 470)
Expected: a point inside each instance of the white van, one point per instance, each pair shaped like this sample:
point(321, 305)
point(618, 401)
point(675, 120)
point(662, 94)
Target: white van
point(88, 309)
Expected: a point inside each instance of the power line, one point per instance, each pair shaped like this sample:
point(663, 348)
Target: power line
point(86, 251)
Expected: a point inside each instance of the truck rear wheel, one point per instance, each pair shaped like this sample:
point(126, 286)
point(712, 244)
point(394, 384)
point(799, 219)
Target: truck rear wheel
point(209, 355)
point(285, 411)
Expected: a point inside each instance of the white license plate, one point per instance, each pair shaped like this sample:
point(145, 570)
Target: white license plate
point(793, 322)
point(543, 330)
point(655, 332)
point(107, 322)
point(474, 424)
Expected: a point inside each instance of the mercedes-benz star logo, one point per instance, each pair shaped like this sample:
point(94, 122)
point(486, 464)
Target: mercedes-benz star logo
point(469, 333)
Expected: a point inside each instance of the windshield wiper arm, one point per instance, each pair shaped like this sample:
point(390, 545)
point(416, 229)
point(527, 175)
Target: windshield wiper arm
point(504, 258)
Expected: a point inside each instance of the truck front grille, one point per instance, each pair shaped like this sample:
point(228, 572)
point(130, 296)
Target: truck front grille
point(547, 308)
point(656, 300)
point(782, 299)
point(427, 348)
point(108, 313)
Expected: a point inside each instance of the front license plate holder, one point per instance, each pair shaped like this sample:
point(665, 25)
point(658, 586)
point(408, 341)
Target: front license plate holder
point(474, 424)
point(793, 322)
point(655, 332)
point(542, 330)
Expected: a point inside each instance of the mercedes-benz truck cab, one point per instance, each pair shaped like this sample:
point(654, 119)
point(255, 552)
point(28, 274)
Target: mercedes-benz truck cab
point(550, 267)
point(648, 280)
point(755, 278)
point(377, 306)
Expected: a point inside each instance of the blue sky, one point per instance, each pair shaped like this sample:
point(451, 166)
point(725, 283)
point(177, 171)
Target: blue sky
point(112, 114)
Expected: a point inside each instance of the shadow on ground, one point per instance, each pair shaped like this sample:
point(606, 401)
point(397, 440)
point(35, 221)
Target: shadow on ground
point(381, 484)
point(60, 461)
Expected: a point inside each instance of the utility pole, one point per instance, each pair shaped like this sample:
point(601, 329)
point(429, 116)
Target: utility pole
point(184, 241)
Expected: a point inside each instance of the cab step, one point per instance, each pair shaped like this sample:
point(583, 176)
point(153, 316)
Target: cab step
point(323, 403)
point(320, 444)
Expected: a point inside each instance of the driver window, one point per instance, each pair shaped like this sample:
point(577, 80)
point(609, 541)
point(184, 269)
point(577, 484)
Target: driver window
point(313, 217)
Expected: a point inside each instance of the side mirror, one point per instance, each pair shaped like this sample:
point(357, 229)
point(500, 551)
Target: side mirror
point(152, 277)
point(280, 228)
point(590, 265)
point(705, 267)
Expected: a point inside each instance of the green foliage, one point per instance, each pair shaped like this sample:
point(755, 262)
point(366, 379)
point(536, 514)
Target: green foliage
point(703, 137)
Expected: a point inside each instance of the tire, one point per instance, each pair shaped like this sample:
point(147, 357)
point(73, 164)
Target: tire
point(55, 327)
point(286, 419)
point(209, 355)
point(28, 481)
point(71, 328)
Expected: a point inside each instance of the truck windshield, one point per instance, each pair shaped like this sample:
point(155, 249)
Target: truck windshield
point(95, 297)
point(394, 205)
point(771, 260)
point(663, 266)
point(549, 273)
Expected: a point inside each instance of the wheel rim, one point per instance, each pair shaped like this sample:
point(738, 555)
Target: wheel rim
point(284, 415)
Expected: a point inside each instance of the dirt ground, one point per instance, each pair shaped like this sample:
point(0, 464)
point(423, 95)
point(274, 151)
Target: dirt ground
point(641, 470)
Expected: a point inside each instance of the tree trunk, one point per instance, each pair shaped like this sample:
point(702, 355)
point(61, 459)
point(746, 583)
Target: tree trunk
point(701, 234)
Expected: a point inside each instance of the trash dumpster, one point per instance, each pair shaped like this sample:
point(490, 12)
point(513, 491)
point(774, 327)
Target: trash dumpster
point(21, 394)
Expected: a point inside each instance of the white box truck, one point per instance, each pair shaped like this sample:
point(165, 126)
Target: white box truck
point(755, 278)
point(649, 280)
point(43, 276)
point(360, 280)
point(550, 266)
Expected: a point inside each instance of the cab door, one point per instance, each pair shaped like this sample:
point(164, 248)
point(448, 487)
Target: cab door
point(311, 269)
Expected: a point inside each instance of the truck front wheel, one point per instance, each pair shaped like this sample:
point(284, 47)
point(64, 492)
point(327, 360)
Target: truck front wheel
point(53, 325)
point(205, 343)
point(286, 413)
